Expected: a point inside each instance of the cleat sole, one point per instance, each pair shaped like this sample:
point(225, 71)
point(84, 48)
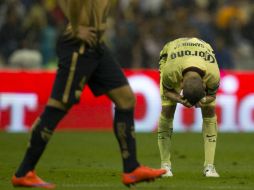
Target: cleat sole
point(133, 185)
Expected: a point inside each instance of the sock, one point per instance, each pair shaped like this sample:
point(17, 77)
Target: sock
point(125, 134)
point(42, 130)
point(210, 138)
point(165, 130)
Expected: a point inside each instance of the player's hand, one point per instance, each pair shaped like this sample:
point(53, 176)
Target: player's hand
point(87, 34)
point(200, 104)
point(180, 99)
point(205, 101)
point(185, 102)
point(176, 97)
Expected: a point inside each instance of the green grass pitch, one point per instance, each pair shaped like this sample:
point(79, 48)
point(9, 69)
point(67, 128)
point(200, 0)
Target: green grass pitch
point(91, 160)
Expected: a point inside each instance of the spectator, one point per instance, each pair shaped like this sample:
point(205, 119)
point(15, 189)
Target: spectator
point(139, 30)
point(10, 33)
point(223, 55)
point(26, 59)
point(34, 24)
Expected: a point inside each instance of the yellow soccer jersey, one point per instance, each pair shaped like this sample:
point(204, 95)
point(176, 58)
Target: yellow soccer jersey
point(183, 53)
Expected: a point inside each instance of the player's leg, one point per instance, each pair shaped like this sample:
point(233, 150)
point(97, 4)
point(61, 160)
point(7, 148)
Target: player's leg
point(64, 95)
point(209, 130)
point(165, 131)
point(124, 100)
point(41, 133)
point(109, 79)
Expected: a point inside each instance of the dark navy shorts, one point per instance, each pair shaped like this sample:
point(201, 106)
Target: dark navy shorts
point(80, 65)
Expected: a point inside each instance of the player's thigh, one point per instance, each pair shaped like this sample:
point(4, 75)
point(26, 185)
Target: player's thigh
point(75, 68)
point(109, 79)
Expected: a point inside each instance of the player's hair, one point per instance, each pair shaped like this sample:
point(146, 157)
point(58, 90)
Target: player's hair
point(193, 90)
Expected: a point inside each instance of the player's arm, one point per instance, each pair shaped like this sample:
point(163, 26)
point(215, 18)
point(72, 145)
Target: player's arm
point(176, 97)
point(72, 10)
point(210, 95)
point(206, 100)
point(169, 91)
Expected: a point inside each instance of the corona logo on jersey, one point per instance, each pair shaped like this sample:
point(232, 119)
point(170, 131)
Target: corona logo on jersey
point(23, 99)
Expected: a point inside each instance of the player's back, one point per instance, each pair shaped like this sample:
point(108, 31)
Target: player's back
point(182, 50)
point(184, 53)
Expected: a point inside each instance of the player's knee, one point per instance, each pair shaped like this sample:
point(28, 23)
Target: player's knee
point(208, 111)
point(127, 101)
point(123, 97)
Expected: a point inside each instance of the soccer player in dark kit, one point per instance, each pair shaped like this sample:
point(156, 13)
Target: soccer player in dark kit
point(84, 59)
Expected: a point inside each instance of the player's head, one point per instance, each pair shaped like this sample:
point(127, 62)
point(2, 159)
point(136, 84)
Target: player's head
point(193, 88)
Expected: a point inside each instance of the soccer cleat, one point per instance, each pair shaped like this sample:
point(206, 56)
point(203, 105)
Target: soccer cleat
point(31, 180)
point(141, 173)
point(209, 171)
point(167, 167)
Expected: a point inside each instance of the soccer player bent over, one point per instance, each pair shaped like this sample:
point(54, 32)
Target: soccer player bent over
point(188, 65)
point(84, 59)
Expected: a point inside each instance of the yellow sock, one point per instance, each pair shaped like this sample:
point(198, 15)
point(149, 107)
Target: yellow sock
point(165, 130)
point(210, 137)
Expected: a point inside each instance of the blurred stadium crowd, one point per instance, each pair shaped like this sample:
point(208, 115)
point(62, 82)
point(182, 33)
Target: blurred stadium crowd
point(137, 30)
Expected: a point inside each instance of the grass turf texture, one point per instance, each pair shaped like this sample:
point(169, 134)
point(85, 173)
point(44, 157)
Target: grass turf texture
point(86, 160)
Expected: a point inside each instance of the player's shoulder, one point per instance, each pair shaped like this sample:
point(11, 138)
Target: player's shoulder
point(182, 40)
point(204, 43)
point(173, 42)
point(177, 41)
point(166, 46)
point(169, 45)
point(190, 41)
